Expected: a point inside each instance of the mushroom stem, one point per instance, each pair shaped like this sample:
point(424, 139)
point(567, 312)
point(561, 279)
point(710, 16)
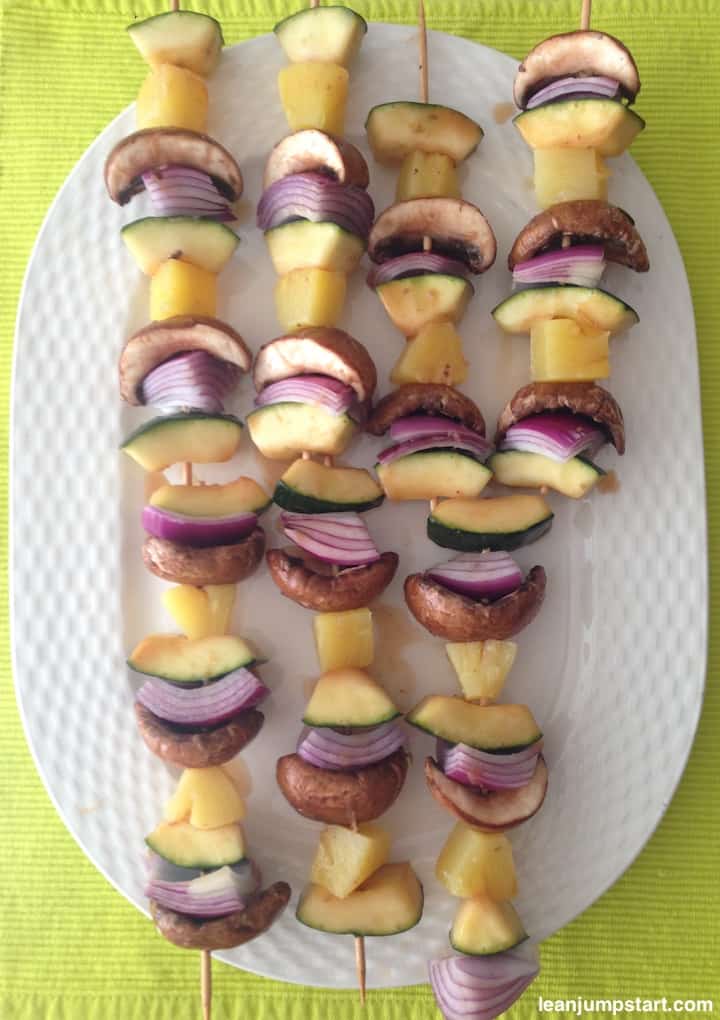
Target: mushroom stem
point(206, 982)
point(360, 964)
point(585, 15)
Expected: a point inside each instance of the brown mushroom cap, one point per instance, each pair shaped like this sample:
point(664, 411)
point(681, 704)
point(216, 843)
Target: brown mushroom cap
point(311, 149)
point(585, 221)
point(223, 932)
point(317, 350)
point(341, 798)
point(159, 341)
point(350, 588)
point(198, 749)
point(584, 53)
point(455, 617)
point(217, 564)
point(584, 398)
point(457, 229)
point(428, 398)
point(156, 147)
point(493, 810)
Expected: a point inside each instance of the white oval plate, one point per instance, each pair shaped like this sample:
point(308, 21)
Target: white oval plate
point(614, 666)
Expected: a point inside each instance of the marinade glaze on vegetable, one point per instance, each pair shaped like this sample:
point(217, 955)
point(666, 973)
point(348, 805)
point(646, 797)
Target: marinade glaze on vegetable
point(197, 705)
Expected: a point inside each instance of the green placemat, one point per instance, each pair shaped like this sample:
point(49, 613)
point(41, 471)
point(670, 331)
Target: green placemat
point(70, 946)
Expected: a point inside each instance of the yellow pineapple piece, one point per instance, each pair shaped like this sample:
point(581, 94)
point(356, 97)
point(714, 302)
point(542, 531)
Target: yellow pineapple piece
point(435, 355)
point(309, 297)
point(564, 350)
point(474, 863)
point(314, 95)
point(179, 288)
point(345, 858)
point(482, 666)
point(200, 612)
point(426, 175)
point(344, 639)
point(207, 798)
point(562, 175)
point(172, 97)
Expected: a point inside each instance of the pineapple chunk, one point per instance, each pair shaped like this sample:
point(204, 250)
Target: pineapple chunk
point(564, 350)
point(309, 297)
point(345, 858)
point(313, 95)
point(565, 174)
point(200, 612)
point(172, 97)
point(426, 175)
point(344, 639)
point(482, 666)
point(207, 798)
point(179, 288)
point(483, 927)
point(474, 863)
point(435, 355)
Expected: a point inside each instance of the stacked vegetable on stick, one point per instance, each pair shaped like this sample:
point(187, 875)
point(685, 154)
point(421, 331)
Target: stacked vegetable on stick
point(197, 704)
point(315, 386)
point(488, 771)
point(576, 90)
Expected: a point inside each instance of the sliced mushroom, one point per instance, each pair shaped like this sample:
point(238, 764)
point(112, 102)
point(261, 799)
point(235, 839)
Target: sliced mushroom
point(311, 149)
point(159, 341)
point(218, 564)
point(318, 350)
point(455, 617)
point(223, 932)
point(351, 588)
point(585, 221)
point(156, 147)
point(342, 798)
point(456, 228)
point(584, 398)
point(491, 811)
point(582, 54)
point(198, 749)
point(427, 398)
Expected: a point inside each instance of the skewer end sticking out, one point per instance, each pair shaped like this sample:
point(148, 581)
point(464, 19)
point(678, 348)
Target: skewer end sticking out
point(360, 964)
point(206, 983)
point(585, 15)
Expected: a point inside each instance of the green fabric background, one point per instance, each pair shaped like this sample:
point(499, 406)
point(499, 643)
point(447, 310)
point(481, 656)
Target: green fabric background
point(70, 946)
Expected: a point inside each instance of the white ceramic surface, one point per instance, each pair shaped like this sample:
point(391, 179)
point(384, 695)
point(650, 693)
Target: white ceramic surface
point(614, 666)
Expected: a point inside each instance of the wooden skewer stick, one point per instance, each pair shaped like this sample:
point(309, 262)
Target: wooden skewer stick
point(424, 95)
point(206, 982)
point(585, 15)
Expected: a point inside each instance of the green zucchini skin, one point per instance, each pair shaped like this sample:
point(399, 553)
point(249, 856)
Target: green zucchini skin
point(475, 541)
point(300, 503)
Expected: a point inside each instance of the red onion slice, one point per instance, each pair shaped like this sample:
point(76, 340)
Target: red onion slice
point(580, 264)
point(208, 705)
point(198, 532)
point(342, 539)
point(194, 380)
point(184, 191)
point(416, 263)
point(483, 575)
point(329, 393)
point(216, 894)
point(315, 197)
point(567, 88)
point(481, 987)
point(558, 435)
point(326, 749)
point(416, 426)
point(484, 771)
point(468, 442)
